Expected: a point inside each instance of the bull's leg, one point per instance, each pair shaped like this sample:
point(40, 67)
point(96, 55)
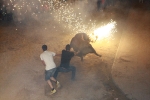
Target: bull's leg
point(93, 51)
point(82, 58)
point(80, 54)
point(98, 54)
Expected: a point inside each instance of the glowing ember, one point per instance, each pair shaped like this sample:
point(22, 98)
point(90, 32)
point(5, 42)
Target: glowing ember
point(104, 31)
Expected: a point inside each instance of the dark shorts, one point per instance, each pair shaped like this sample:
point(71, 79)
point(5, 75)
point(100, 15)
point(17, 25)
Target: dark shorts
point(49, 73)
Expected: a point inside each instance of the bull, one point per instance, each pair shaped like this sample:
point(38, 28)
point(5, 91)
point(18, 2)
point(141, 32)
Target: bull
point(81, 44)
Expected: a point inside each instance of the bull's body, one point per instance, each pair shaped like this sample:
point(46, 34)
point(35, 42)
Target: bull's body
point(81, 44)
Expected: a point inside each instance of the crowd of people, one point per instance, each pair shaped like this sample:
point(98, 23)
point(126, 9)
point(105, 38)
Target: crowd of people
point(5, 16)
point(102, 4)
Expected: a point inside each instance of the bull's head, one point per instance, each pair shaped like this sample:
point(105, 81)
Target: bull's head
point(93, 38)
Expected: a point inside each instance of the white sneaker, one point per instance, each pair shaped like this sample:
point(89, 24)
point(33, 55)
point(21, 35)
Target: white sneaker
point(58, 85)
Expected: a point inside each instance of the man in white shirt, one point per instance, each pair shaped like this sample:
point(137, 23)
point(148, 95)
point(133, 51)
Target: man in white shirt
point(50, 67)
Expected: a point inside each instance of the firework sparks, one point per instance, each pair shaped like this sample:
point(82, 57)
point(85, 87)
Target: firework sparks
point(65, 13)
point(104, 31)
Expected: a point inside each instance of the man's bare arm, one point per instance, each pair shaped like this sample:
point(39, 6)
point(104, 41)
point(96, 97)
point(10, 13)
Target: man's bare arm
point(58, 55)
point(43, 62)
point(76, 53)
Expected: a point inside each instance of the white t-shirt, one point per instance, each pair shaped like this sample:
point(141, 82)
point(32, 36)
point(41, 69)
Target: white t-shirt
point(47, 56)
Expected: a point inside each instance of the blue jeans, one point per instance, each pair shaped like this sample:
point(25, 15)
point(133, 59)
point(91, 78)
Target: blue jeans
point(49, 73)
point(62, 69)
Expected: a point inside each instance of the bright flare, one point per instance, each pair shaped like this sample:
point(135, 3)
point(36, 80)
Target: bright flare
point(105, 31)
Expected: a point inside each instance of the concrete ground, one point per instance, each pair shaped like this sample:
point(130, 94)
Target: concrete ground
point(121, 74)
point(131, 68)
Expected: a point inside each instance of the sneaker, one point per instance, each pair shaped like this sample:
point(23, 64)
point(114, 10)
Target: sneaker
point(52, 92)
point(58, 85)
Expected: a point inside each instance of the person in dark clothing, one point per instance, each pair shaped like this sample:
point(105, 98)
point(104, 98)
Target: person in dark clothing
point(98, 4)
point(65, 63)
